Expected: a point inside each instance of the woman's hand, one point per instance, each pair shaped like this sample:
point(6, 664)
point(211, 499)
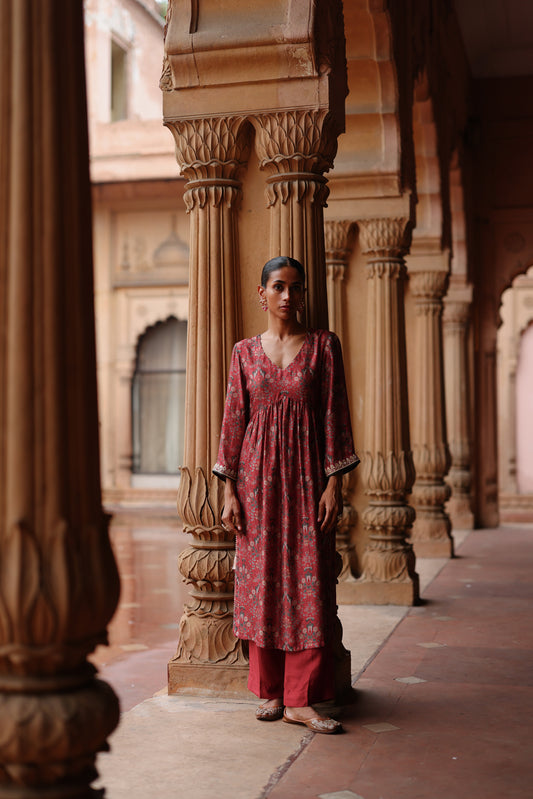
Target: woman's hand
point(330, 505)
point(231, 513)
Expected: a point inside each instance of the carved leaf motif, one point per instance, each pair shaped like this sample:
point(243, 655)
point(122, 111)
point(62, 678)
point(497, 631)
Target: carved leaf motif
point(393, 473)
point(386, 236)
point(51, 592)
point(28, 606)
point(388, 566)
point(199, 500)
point(209, 641)
point(337, 235)
point(296, 141)
point(210, 147)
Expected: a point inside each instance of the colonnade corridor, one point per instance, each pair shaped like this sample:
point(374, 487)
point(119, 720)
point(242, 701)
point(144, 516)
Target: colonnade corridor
point(442, 702)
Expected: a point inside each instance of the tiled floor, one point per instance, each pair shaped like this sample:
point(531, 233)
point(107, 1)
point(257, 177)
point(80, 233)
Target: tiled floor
point(444, 692)
point(445, 710)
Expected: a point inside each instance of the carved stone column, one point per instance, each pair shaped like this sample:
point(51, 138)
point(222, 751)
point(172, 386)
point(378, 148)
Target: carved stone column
point(58, 580)
point(510, 466)
point(296, 148)
point(431, 530)
point(389, 575)
point(455, 327)
point(210, 153)
point(337, 233)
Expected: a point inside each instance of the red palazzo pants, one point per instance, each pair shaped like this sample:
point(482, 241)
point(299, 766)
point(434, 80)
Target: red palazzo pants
point(299, 678)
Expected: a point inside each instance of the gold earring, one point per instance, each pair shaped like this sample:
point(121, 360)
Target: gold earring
point(263, 304)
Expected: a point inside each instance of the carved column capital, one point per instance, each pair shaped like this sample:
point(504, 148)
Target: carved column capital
point(428, 289)
point(296, 141)
point(385, 236)
point(210, 146)
point(429, 284)
point(211, 152)
point(337, 239)
point(295, 148)
point(456, 313)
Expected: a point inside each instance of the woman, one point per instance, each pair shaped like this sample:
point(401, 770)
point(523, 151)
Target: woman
point(286, 441)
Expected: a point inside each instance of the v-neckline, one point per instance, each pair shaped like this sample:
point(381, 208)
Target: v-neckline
point(284, 368)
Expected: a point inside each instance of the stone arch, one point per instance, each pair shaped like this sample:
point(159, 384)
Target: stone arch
point(158, 398)
point(516, 319)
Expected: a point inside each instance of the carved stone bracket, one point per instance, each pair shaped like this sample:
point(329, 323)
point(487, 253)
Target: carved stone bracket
point(456, 320)
point(431, 530)
point(389, 574)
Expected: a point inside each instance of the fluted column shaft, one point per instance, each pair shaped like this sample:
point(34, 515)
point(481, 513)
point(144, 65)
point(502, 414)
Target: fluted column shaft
point(58, 580)
point(295, 148)
point(431, 530)
point(455, 328)
point(389, 575)
point(210, 153)
point(337, 238)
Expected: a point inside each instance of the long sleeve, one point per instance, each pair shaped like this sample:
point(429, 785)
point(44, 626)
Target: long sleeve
point(339, 453)
point(234, 422)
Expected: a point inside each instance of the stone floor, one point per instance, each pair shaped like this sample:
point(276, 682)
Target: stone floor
point(443, 692)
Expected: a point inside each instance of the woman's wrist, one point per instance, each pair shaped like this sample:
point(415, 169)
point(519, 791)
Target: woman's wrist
point(229, 487)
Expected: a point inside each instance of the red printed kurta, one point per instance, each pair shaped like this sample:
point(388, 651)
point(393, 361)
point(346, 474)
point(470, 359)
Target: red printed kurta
point(284, 432)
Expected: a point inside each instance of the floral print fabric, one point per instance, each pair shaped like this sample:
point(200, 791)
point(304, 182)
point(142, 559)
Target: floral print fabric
point(284, 432)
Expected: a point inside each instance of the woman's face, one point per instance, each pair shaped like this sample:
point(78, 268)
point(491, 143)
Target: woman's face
point(284, 292)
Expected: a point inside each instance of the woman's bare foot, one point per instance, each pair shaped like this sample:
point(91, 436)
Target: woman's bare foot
point(273, 702)
point(302, 713)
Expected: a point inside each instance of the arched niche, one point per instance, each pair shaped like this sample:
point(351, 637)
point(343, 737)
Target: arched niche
point(158, 402)
point(515, 388)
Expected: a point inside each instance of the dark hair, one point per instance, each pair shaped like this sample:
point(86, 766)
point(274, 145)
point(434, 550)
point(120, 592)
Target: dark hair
point(279, 263)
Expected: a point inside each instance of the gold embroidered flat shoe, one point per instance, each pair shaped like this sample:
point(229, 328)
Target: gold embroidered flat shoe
point(326, 726)
point(269, 713)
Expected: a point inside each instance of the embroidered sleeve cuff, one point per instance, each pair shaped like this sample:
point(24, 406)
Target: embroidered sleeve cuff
point(223, 471)
point(343, 466)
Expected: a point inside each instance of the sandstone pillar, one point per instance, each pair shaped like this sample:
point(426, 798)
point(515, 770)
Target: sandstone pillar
point(431, 530)
point(295, 148)
point(58, 581)
point(210, 152)
point(337, 234)
point(510, 464)
point(389, 575)
point(456, 320)
point(293, 95)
